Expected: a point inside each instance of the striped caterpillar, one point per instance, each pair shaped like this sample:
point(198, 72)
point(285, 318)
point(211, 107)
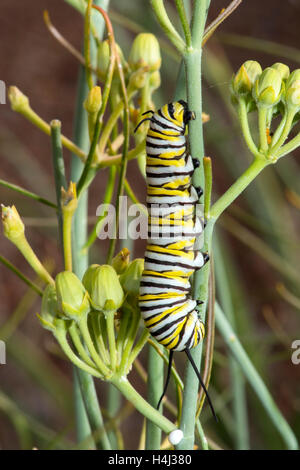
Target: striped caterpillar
point(165, 300)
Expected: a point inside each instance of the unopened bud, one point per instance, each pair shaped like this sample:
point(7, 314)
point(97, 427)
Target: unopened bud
point(131, 278)
point(12, 223)
point(17, 99)
point(105, 286)
point(93, 101)
point(121, 261)
point(292, 93)
point(72, 297)
point(103, 57)
point(243, 81)
point(145, 52)
point(268, 88)
point(49, 308)
point(282, 69)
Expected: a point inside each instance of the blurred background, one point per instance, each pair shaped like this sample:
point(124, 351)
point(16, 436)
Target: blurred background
point(258, 276)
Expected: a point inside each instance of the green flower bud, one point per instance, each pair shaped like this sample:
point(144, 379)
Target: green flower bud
point(103, 56)
point(243, 81)
point(268, 88)
point(88, 276)
point(93, 101)
point(145, 52)
point(12, 223)
point(17, 99)
point(292, 93)
point(121, 261)
point(131, 278)
point(282, 69)
point(49, 309)
point(105, 286)
point(72, 298)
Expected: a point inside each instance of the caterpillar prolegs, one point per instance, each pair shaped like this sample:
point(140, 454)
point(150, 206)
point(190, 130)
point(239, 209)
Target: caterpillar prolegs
point(165, 301)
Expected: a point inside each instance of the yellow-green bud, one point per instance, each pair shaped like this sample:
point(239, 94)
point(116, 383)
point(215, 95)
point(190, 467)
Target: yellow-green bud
point(72, 298)
point(282, 69)
point(17, 99)
point(243, 81)
point(12, 223)
point(93, 101)
point(105, 286)
point(49, 309)
point(292, 93)
point(88, 276)
point(69, 200)
point(121, 261)
point(103, 56)
point(131, 278)
point(145, 52)
point(268, 88)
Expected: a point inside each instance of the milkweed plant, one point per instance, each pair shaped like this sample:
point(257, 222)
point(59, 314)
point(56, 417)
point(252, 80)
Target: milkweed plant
point(92, 309)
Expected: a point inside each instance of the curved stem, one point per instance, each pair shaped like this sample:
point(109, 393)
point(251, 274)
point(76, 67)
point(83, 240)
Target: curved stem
point(238, 187)
point(142, 405)
point(243, 117)
point(90, 345)
point(167, 26)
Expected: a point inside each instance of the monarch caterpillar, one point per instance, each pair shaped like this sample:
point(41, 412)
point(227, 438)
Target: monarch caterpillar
point(165, 300)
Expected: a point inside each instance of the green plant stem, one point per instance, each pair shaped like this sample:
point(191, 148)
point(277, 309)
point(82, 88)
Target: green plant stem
point(184, 22)
point(155, 385)
point(83, 326)
point(79, 232)
point(94, 413)
point(254, 379)
point(286, 129)
point(110, 318)
point(243, 118)
point(262, 125)
point(238, 187)
point(167, 26)
point(142, 405)
point(27, 193)
point(109, 191)
point(37, 121)
point(192, 61)
point(21, 275)
point(28, 253)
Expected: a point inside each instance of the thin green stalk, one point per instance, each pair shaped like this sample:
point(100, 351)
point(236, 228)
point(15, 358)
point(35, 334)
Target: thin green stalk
point(21, 276)
point(243, 117)
point(238, 187)
point(262, 125)
point(184, 22)
point(79, 232)
point(142, 405)
point(254, 379)
point(94, 413)
point(192, 61)
point(27, 193)
point(155, 385)
point(83, 326)
point(110, 318)
point(167, 26)
point(109, 191)
point(58, 168)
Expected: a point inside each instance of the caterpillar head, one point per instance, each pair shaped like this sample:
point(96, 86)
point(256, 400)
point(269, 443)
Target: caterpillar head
point(184, 113)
